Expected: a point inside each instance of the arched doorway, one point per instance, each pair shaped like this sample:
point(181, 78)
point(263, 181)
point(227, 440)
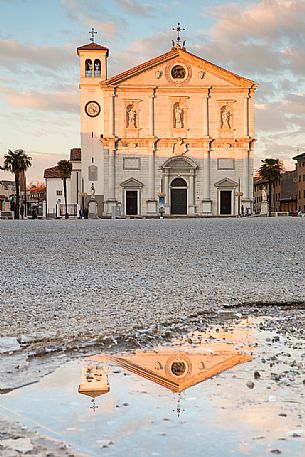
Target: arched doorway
point(178, 203)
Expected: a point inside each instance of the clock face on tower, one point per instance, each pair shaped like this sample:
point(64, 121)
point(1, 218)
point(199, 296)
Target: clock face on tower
point(92, 108)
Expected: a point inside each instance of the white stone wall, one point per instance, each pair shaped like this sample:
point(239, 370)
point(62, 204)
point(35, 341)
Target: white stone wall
point(55, 185)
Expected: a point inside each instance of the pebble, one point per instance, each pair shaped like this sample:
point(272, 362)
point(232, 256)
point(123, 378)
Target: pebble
point(18, 444)
point(9, 344)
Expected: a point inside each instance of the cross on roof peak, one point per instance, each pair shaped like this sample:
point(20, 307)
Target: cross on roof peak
point(178, 29)
point(92, 33)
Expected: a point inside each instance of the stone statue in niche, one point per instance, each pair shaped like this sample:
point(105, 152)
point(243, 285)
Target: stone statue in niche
point(226, 118)
point(264, 194)
point(131, 117)
point(178, 117)
point(179, 148)
point(92, 192)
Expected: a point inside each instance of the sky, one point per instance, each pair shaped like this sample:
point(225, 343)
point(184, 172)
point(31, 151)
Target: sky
point(263, 40)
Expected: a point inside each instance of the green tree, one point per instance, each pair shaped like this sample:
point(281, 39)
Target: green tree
point(16, 162)
point(65, 169)
point(271, 170)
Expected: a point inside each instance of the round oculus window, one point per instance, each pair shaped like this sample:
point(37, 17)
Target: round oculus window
point(179, 368)
point(178, 72)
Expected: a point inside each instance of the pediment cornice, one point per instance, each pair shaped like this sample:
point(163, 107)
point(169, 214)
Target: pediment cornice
point(185, 56)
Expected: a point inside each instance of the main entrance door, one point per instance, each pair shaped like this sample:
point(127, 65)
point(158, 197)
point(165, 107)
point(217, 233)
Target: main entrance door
point(131, 202)
point(178, 196)
point(225, 202)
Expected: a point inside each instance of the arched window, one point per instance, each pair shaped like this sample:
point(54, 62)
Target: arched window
point(97, 68)
point(88, 68)
point(178, 182)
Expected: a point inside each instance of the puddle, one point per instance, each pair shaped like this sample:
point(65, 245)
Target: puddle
point(235, 392)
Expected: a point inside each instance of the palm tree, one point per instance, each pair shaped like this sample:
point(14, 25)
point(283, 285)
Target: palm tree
point(65, 168)
point(17, 162)
point(271, 170)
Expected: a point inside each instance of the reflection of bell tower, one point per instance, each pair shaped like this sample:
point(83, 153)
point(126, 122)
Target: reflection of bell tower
point(93, 70)
point(94, 381)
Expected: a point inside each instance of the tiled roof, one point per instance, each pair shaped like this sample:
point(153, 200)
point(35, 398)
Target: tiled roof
point(93, 47)
point(35, 190)
point(299, 157)
point(4, 182)
point(76, 154)
point(52, 172)
point(260, 181)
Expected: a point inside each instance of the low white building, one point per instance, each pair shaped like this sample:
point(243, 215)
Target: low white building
point(55, 189)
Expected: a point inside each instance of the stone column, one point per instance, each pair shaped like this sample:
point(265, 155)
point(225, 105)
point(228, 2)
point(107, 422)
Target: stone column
point(152, 114)
point(191, 206)
point(112, 115)
point(151, 173)
point(246, 116)
point(206, 197)
point(206, 175)
point(166, 187)
point(245, 186)
point(206, 115)
point(111, 172)
point(151, 201)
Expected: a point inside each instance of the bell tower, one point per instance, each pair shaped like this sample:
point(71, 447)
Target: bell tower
point(93, 70)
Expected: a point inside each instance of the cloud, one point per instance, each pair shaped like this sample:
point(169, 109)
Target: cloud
point(40, 161)
point(271, 117)
point(295, 104)
point(89, 11)
point(14, 55)
point(280, 150)
point(59, 101)
point(264, 20)
point(139, 51)
point(136, 8)
point(265, 36)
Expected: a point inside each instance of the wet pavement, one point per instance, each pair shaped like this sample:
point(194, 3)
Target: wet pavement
point(236, 389)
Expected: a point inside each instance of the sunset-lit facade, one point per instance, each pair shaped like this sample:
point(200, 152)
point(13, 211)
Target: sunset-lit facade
point(176, 127)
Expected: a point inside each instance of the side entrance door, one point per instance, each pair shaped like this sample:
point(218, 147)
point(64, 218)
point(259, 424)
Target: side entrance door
point(225, 202)
point(131, 202)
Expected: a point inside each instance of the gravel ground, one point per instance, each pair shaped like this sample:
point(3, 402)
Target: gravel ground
point(78, 285)
point(77, 279)
point(17, 440)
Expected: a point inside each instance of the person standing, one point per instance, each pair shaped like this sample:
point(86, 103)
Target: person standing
point(22, 210)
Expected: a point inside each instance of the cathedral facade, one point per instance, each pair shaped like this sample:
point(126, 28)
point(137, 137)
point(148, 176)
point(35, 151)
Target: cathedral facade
point(175, 133)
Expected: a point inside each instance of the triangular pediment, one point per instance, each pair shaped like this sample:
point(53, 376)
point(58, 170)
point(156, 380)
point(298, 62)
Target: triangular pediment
point(226, 182)
point(178, 371)
point(203, 71)
point(131, 183)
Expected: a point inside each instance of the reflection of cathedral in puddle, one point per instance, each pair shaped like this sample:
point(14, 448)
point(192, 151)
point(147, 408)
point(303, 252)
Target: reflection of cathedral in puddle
point(174, 368)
